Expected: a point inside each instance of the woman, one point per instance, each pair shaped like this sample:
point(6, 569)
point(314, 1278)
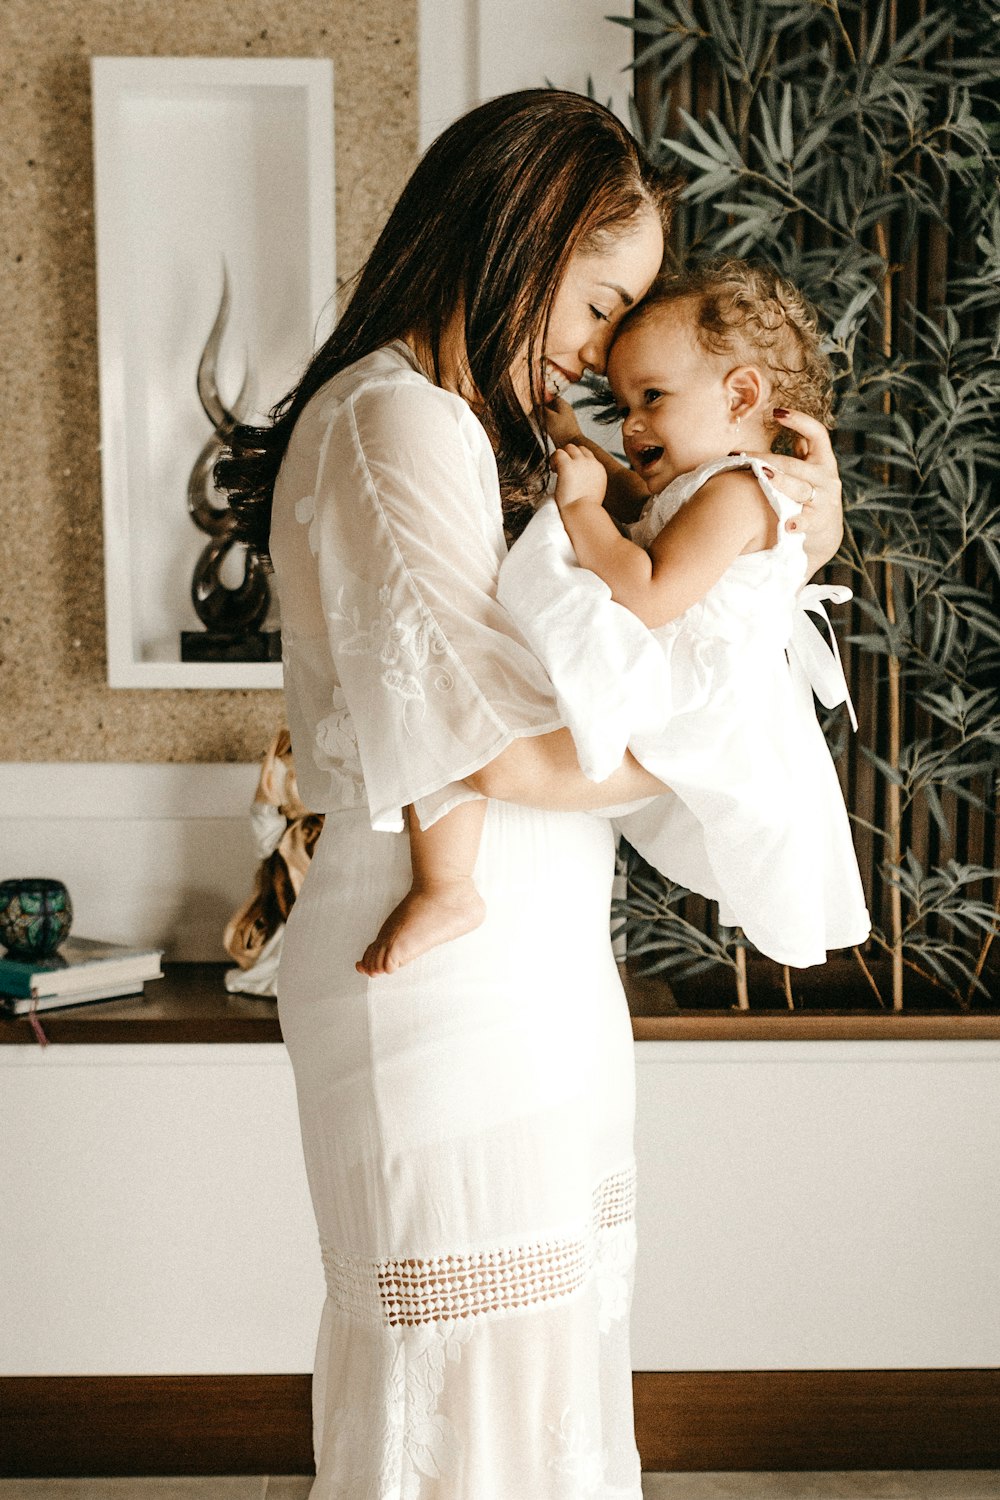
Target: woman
point(467, 1122)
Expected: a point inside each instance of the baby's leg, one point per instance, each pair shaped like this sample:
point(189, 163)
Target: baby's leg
point(442, 902)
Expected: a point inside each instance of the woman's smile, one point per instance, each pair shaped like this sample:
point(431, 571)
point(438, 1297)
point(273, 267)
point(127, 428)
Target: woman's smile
point(556, 379)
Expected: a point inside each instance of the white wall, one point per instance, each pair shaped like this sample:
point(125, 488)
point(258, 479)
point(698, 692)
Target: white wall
point(813, 1205)
point(154, 1215)
point(470, 50)
point(818, 1205)
point(157, 855)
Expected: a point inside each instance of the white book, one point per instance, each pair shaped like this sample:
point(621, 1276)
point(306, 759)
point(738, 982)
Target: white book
point(21, 1006)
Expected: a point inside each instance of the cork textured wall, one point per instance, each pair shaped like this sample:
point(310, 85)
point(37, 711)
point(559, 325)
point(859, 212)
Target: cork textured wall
point(54, 700)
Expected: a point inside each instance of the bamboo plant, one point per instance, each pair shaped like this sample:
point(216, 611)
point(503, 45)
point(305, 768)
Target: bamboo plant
point(856, 148)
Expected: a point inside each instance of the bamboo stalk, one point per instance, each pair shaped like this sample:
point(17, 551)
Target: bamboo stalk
point(895, 816)
point(911, 963)
point(984, 953)
point(787, 980)
point(742, 989)
point(869, 976)
point(894, 802)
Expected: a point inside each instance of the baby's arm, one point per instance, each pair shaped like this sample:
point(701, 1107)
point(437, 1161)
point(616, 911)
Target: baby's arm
point(626, 494)
point(728, 516)
point(442, 902)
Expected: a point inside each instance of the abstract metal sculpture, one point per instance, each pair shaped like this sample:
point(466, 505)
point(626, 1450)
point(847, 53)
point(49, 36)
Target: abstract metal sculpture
point(232, 615)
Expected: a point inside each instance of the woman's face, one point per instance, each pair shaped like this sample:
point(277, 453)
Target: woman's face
point(596, 291)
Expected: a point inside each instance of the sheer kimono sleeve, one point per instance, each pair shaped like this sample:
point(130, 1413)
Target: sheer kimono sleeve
point(409, 540)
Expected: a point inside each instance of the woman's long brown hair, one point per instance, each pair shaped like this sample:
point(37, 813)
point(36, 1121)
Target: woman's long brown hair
point(488, 221)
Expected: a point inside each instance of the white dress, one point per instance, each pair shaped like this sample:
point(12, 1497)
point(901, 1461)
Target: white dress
point(719, 705)
point(468, 1121)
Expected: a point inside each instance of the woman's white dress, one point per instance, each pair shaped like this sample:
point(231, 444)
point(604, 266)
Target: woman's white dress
point(468, 1121)
point(718, 704)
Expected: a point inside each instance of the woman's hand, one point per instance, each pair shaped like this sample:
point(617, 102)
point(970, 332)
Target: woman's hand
point(812, 480)
point(561, 421)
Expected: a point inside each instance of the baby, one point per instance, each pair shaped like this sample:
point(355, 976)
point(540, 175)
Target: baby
point(691, 647)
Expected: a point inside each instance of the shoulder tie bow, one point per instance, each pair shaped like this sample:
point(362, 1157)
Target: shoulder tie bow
point(816, 666)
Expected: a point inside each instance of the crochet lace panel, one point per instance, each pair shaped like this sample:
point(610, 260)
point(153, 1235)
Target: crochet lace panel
point(405, 1293)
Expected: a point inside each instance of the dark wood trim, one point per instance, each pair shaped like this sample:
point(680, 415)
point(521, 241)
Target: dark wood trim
point(57, 1426)
point(191, 1004)
point(818, 1419)
point(62, 1425)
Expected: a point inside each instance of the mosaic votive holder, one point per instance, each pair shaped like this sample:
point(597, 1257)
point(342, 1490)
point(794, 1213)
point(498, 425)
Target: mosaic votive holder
point(35, 916)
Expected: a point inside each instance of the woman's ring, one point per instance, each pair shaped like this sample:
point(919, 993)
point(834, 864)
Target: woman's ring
point(811, 495)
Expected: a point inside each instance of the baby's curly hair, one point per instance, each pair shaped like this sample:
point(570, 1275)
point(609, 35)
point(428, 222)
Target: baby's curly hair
point(750, 312)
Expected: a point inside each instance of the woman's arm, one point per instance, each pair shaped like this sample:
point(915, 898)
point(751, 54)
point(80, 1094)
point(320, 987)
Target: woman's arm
point(728, 516)
point(543, 771)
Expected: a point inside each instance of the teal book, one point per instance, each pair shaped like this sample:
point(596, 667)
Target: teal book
point(81, 964)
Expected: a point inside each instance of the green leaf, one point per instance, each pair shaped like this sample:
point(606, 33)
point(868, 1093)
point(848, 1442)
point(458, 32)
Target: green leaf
point(785, 125)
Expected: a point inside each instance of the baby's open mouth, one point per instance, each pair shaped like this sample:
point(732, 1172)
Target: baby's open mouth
point(647, 455)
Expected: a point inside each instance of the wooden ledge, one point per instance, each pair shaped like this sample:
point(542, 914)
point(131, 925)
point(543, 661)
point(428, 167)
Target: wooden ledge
point(827, 1010)
point(191, 1004)
point(745, 1026)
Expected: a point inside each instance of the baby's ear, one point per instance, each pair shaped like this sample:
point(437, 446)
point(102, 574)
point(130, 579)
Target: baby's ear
point(746, 388)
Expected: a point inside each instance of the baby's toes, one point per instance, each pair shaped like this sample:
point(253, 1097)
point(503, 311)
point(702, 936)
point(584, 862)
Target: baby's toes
point(369, 963)
point(389, 958)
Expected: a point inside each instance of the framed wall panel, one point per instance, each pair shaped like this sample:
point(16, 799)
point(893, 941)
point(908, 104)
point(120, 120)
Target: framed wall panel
point(203, 167)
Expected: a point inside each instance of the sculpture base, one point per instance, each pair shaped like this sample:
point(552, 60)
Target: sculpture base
point(219, 645)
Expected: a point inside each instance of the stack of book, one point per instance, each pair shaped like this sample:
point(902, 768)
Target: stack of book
point(82, 970)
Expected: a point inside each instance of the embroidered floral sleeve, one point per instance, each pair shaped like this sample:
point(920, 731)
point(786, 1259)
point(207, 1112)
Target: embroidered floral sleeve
point(404, 523)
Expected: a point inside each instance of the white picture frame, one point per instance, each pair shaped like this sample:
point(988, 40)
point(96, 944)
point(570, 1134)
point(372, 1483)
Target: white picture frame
point(198, 162)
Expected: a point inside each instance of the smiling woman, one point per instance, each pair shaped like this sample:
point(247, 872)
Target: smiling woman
point(467, 269)
point(467, 1121)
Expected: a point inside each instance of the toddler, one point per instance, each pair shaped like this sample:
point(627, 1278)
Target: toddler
point(687, 641)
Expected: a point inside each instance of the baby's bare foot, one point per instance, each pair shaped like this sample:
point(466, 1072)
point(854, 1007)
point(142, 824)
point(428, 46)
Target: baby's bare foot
point(424, 919)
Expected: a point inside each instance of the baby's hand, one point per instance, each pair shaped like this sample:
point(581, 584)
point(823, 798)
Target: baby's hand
point(561, 420)
point(580, 477)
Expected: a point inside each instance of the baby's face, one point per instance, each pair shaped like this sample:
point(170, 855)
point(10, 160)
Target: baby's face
point(677, 411)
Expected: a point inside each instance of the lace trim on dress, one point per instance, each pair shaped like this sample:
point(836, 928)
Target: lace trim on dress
point(425, 1311)
point(407, 1293)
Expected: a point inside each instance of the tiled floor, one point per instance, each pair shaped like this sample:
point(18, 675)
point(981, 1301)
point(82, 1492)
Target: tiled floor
point(890, 1484)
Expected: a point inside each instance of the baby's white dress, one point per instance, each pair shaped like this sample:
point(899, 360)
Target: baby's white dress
point(718, 704)
point(467, 1122)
